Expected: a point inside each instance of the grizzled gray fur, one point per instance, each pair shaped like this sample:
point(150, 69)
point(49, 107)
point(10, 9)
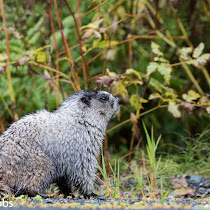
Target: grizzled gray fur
point(57, 147)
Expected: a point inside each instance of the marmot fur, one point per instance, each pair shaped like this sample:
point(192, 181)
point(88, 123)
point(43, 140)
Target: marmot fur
point(57, 147)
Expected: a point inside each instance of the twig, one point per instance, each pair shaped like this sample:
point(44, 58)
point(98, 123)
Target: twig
point(121, 42)
point(54, 70)
point(128, 120)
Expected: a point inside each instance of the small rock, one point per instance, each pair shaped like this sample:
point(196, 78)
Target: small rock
point(206, 183)
point(201, 190)
point(170, 196)
point(195, 179)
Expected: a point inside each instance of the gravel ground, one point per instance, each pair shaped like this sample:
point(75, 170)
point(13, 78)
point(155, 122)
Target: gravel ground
point(129, 203)
point(199, 199)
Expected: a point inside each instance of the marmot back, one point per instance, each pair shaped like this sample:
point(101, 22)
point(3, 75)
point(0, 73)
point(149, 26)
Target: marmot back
point(56, 147)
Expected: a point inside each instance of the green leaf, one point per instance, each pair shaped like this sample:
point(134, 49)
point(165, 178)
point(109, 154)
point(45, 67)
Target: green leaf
point(157, 85)
point(154, 96)
point(173, 109)
point(155, 49)
point(191, 96)
point(132, 71)
point(152, 67)
point(198, 50)
point(165, 70)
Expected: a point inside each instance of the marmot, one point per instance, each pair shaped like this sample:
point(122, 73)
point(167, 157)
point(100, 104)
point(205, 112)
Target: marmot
point(57, 147)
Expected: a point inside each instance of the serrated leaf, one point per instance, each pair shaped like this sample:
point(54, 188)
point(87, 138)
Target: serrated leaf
point(198, 50)
point(152, 67)
point(165, 70)
point(184, 53)
point(186, 50)
point(202, 60)
point(157, 85)
point(132, 71)
point(191, 96)
point(155, 49)
point(174, 109)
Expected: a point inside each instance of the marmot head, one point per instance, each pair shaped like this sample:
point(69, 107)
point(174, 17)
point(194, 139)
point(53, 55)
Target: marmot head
point(93, 103)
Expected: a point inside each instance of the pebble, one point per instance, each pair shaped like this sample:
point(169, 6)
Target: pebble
point(195, 179)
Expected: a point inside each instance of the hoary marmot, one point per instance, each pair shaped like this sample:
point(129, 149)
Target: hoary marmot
point(57, 147)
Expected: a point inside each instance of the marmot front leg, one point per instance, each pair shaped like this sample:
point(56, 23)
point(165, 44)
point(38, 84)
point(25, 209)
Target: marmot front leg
point(85, 186)
point(65, 186)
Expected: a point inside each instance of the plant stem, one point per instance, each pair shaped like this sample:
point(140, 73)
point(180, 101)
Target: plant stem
point(190, 75)
point(84, 65)
point(57, 53)
point(106, 151)
point(9, 78)
point(128, 120)
point(206, 74)
point(77, 86)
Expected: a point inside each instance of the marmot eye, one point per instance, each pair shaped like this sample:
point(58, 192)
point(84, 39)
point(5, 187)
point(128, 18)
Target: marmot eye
point(104, 98)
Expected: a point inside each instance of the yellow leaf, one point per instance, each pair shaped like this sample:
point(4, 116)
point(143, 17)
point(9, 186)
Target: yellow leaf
point(137, 101)
point(41, 57)
point(121, 90)
point(191, 96)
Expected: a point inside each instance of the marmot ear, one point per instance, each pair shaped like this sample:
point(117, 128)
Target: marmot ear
point(86, 100)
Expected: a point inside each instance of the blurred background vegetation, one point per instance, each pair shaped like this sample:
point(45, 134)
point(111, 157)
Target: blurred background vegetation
point(152, 54)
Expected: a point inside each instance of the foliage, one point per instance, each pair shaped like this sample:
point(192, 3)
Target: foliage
point(151, 54)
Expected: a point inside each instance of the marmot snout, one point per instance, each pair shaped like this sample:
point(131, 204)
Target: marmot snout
point(57, 147)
